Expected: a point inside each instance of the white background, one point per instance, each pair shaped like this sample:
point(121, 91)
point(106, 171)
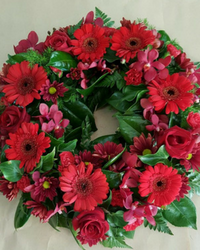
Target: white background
point(179, 18)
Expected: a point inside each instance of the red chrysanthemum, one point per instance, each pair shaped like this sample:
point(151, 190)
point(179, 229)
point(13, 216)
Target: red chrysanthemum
point(83, 186)
point(128, 41)
point(161, 183)
point(8, 188)
point(51, 91)
point(142, 145)
point(91, 42)
point(24, 83)
point(27, 146)
point(107, 150)
point(172, 93)
point(87, 157)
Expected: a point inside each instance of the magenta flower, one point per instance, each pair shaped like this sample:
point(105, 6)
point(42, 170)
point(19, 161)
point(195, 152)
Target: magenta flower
point(146, 62)
point(51, 91)
point(29, 43)
point(44, 187)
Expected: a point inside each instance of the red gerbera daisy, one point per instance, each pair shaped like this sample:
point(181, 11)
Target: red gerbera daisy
point(83, 187)
point(24, 83)
point(163, 183)
point(172, 93)
point(128, 41)
point(27, 146)
point(91, 42)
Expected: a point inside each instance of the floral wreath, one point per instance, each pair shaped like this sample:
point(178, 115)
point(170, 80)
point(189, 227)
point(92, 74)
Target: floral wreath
point(102, 189)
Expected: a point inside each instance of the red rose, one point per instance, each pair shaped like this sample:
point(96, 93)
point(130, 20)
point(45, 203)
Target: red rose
point(92, 226)
point(178, 142)
point(193, 120)
point(11, 119)
point(59, 41)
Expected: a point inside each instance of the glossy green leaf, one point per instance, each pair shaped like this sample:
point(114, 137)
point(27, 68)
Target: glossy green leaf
point(69, 146)
point(161, 156)
point(113, 179)
point(110, 56)
point(121, 106)
point(105, 138)
point(22, 214)
point(76, 112)
point(131, 126)
point(53, 221)
point(106, 203)
point(89, 90)
point(62, 60)
point(3, 156)
point(18, 58)
point(11, 170)
point(130, 92)
point(182, 213)
point(116, 219)
point(47, 161)
point(164, 36)
point(114, 159)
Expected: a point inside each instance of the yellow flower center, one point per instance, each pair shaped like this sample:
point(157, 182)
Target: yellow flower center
point(52, 90)
point(86, 163)
point(146, 152)
point(46, 185)
point(189, 157)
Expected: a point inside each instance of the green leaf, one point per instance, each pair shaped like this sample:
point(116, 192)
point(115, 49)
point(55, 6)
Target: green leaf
point(111, 80)
point(73, 28)
point(47, 161)
point(164, 36)
point(161, 156)
point(194, 182)
point(106, 203)
point(53, 221)
point(105, 138)
point(131, 126)
point(69, 146)
point(3, 156)
point(182, 213)
point(161, 224)
point(121, 105)
point(62, 60)
point(22, 214)
point(114, 159)
point(106, 20)
point(116, 219)
point(74, 233)
point(110, 56)
point(115, 242)
point(113, 179)
point(11, 170)
point(18, 58)
point(130, 92)
point(89, 90)
point(76, 112)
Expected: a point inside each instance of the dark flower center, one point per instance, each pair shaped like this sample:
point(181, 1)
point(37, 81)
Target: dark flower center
point(90, 44)
point(26, 85)
point(28, 147)
point(159, 184)
point(133, 43)
point(84, 186)
point(171, 93)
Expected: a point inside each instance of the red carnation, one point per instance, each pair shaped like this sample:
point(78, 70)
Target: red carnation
point(24, 83)
point(161, 183)
point(83, 186)
point(91, 42)
point(27, 146)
